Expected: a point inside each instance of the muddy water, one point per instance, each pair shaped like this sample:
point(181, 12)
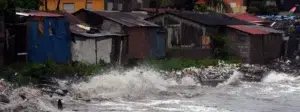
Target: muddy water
point(145, 90)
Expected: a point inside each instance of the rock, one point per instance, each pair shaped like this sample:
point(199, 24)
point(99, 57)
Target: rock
point(22, 96)
point(60, 92)
point(2, 86)
point(4, 98)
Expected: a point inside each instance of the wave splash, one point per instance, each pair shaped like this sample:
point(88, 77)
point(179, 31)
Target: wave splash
point(135, 83)
point(278, 77)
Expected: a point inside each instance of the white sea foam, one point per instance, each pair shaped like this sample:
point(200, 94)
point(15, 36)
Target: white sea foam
point(277, 77)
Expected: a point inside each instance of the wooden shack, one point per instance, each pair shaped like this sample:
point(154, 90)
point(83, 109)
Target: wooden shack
point(145, 39)
point(189, 32)
point(255, 44)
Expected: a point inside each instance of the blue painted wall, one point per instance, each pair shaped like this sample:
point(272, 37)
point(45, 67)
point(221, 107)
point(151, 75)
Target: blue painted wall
point(54, 46)
point(158, 44)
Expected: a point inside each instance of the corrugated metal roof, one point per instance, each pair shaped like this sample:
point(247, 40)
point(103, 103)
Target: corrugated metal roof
point(208, 18)
point(82, 32)
point(160, 10)
point(73, 20)
point(254, 29)
point(246, 17)
point(39, 14)
point(211, 18)
point(139, 15)
point(266, 29)
point(124, 18)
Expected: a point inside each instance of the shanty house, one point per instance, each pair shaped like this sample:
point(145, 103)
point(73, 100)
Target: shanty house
point(92, 47)
point(47, 37)
point(189, 32)
point(145, 39)
point(254, 44)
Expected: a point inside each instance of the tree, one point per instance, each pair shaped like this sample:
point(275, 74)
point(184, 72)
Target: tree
point(165, 3)
point(28, 4)
point(3, 5)
point(200, 8)
point(217, 5)
point(57, 5)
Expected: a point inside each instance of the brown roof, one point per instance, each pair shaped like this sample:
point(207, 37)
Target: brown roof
point(254, 29)
point(160, 10)
point(207, 18)
point(122, 18)
point(82, 32)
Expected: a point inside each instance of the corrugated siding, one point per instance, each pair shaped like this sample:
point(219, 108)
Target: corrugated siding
point(158, 45)
point(45, 45)
point(256, 55)
point(138, 43)
point(272, 46)
point(239, 44)
point(104, 49)
point(83, 50)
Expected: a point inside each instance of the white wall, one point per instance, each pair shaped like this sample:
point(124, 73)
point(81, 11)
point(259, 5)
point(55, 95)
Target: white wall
point(104, 49)
point(85, 50)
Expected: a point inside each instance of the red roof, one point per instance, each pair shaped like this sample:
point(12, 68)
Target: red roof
point(250, 30)
point(247, 17)
point(160, 10)
point(200, 1)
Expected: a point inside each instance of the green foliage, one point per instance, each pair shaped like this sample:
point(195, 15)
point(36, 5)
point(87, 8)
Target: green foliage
point(165, 3)
point(217, 5)
point(3, 4)
point(220, 49)
point(200, 8)
point(28, 4)
point(291, 29)
point(32, 73)
point(25, 4)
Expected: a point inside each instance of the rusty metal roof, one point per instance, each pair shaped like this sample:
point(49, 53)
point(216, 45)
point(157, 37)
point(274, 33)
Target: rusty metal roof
point(247, 17)
point(139, 15)
point(82, 32)
point(39, 14)
point(73, 20)
point(123, 18)
point(254, 29)
point(206, 18)
point(160, 10)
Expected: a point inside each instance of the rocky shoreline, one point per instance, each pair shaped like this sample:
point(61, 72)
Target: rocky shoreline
point(54, 89)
